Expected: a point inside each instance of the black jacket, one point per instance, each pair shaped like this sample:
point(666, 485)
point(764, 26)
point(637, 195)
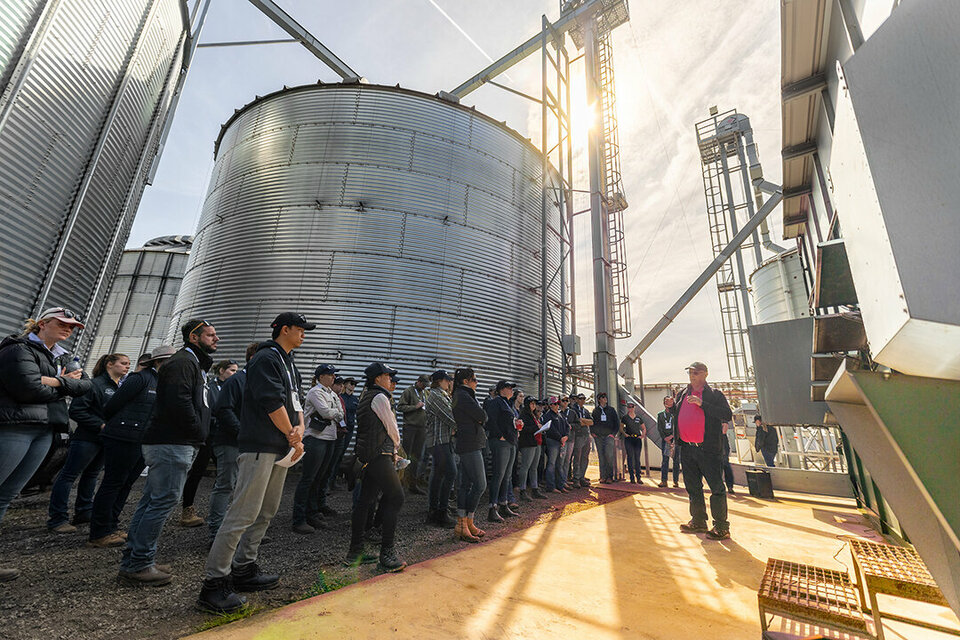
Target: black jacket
point(500, 417)
point(24, 400)
point(87, 410)
point(716, 411)
point(226, 410)
point(470, 418)
point(128, 412)
point(559, 427)
point(632, 427)
point(181, 414)
point(768, 440)
point(272, 382)
point(530, 427)
point(666, 424)
point(607, 427)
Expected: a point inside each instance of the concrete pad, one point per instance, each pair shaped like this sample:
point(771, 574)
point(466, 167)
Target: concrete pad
point(621, 570)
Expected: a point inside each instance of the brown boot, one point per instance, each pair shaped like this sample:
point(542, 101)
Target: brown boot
point(107, 541)
point(462, 531)
point(474, 529)
point(189, 518)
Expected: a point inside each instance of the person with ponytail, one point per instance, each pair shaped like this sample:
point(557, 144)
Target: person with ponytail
point(85, 452)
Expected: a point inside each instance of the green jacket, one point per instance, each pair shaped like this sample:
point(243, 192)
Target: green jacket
point(413, 417)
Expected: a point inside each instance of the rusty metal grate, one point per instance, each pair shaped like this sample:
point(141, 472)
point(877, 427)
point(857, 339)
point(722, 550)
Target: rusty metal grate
point(814, 594)
point(888, 561)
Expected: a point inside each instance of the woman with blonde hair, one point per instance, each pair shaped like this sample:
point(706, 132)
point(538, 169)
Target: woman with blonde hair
point(34, 385)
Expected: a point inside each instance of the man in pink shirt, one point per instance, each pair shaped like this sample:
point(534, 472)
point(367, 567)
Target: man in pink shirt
point(699, 413)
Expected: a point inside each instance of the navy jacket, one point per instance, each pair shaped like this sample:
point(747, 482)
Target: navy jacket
point(559, 427)
point(128, 411)
point(87, 410)
point(181, 414)
point(526, 437)
point(272, 382)
point(227, 410)
point(350, 413)
point(500, 417)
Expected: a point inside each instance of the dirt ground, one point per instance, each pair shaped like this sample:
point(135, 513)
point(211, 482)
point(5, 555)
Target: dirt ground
point(69, 591)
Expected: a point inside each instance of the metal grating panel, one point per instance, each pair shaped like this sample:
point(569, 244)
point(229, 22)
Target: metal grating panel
point(811, 593)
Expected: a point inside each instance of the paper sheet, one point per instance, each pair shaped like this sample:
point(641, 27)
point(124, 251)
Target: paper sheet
point(287, 460)
point(545, 427)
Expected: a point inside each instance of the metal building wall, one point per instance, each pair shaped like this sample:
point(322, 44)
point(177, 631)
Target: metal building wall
point(86, 86)
point(406, 226)
point(138, 309)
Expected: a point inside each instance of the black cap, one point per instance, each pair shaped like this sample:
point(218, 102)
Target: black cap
point(503, 384)
point(440, 374)
point(350, 380)
point(291, 319)
point(338, 380)
point(324, 369)
point(375, 369)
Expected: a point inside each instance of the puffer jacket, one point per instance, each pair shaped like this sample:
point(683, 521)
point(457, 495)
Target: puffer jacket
point(128, 411)
point(470, 418)
point(87, 410)
point(24, 400)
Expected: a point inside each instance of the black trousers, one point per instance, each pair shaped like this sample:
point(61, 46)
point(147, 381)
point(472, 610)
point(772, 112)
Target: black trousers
point(701, 464)
point(379, 475)
point(725, 463)
point(414, 440)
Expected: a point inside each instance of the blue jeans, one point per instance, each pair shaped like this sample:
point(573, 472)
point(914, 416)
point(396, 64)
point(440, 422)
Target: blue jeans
point(665, 463)
point(311, 493)
point(122, 464)
point(554, 476)
point(22, 450)
point(226, 456)
point(84, 461)
point(442, 475)
point(473, 481)
point(606, 452)
point(504, 457)
point(770, 457)
point(527, 468)
point(581, 454)
point(169, 465)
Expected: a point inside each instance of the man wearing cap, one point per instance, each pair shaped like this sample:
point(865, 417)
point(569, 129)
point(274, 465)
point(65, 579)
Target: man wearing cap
point(323, 413)
point(606, 425)
point(177, 429)
point(412, 405)
point(566, 451)
point(554, 475)
point(440, 428)
point(580, 428)
point(502, 419)
point(378, 440)
point(271, 426)
point(668, 443)
point(699, 412)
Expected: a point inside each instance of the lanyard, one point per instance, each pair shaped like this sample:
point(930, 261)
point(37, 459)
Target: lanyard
point(285, 368)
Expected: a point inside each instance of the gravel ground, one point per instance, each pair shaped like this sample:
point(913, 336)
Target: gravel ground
point(69, 591)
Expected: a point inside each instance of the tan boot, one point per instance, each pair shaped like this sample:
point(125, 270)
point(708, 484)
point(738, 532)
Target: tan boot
point(189, 518)
point(474, 529)
point(462, 531)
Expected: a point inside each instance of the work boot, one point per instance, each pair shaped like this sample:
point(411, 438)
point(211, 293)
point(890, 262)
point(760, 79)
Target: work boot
point(166, 568)
point(676, 485)
point(122, 534)
point(462, 532)
point(317, 522)
point(303, 528)
point(474, 529)
point(107, 541)
point(584, 483)
point(390, 562)
point(494, 515)
point(149, 577)
point(718, 534)
point(66, 527)
point(507, 512)
point(443, 520)
point(78, 519)
point(694, 527)
point(189, 518)
point(359, 556)
point(7, 574)
point(329, 511)
point(731, 491)
point(524, 496)
point(248, 577)
point(538, 494)
point(217, 597)
point(662, 485)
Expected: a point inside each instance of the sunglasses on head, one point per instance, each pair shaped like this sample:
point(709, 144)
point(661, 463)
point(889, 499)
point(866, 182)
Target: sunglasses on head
point(203, 323)
point(66, 313)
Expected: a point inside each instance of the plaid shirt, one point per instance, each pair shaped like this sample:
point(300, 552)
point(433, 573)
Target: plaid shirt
point(440, 422)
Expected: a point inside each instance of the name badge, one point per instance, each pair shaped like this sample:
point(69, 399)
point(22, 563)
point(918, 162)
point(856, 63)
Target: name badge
point(295, 401)
point(603, 417)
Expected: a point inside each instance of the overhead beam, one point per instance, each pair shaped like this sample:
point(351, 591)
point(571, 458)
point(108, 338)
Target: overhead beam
point(796, 192)
point(286, 22)
point(531, 46)
point(799, 150)
point(804, 87)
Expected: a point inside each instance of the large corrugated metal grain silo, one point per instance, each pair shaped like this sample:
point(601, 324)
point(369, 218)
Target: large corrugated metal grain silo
point(140, 303)
point(406, 226)
point(85, 86)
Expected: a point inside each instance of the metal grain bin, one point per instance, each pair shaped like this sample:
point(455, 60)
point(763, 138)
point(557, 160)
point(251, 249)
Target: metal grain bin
point(779, 292)
point(85, 87)
point(406, 226)
point(140, 303)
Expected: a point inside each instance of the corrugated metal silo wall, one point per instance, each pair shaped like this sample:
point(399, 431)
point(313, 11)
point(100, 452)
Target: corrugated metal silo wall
point(86, 86)
point(138, 309)
point(407, 227)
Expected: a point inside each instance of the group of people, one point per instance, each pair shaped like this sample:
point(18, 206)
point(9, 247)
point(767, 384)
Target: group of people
point(172, 415)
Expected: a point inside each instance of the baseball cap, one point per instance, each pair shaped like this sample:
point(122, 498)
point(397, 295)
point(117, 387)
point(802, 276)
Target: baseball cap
point(503, 384)
point(553, 400)
point(63, 315)
point(424, 378)
point(440, 374)
point(292, 319)
point(375, 369)
point(696, 366)
point(323, 369)
point(350, 380)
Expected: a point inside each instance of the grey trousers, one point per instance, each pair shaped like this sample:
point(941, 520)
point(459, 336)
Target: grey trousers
point(256, 499)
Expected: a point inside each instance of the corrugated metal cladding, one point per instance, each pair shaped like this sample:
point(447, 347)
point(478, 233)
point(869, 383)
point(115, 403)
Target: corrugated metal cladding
point(140, 303)
point(86, 86)
point(406, 227)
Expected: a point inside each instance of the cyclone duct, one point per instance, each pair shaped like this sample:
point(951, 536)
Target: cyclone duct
point(406, 226)
point(85, 86)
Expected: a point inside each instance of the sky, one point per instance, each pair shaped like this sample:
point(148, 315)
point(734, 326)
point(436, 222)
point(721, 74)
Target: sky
point(673, 60)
